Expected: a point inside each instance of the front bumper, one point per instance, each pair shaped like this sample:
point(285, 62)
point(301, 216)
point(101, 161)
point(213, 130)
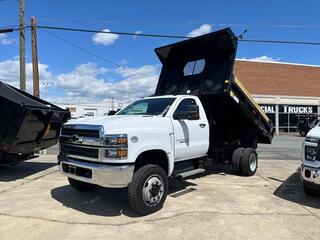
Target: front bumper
point(106, 175)
point(310, 174)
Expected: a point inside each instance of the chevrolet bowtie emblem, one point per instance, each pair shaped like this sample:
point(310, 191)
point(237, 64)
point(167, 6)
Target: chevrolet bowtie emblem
point(75, 138)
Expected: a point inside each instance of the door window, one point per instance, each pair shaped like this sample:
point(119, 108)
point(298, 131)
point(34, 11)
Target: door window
point(185, 105)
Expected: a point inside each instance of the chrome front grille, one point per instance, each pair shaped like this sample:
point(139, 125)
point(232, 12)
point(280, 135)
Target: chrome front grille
point(92, 133)
point(79, 151)
point(82, 141)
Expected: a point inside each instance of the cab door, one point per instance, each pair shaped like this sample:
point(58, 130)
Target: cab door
point(191, 135)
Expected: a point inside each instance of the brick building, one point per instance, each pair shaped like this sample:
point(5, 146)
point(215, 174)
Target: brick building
point(283, 90)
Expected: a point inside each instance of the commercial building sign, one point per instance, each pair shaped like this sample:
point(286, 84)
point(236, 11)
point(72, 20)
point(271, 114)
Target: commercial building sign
point(268, 108)
point(289, 109)
point(297, 109)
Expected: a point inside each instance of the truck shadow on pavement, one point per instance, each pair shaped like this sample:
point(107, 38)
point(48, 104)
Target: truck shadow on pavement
point(292, 190)
point(106, 202)
point(23, 170)
point(110, 202)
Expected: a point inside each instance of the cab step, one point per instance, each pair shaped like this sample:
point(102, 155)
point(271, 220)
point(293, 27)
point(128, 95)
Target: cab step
point(190, 173)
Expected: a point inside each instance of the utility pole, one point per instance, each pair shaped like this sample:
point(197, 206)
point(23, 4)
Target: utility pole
point(35, 69)
point(22, 47)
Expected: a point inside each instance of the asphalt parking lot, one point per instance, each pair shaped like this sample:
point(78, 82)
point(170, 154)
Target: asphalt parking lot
point(36, 202)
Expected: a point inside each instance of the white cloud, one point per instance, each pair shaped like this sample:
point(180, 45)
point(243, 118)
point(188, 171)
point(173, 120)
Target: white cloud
point(4, 40)
point(105, 38)
point(9, 73)
point(203, 29)
point(263, 58)
point(83, 81)
point(137, 32)
point(88, 81)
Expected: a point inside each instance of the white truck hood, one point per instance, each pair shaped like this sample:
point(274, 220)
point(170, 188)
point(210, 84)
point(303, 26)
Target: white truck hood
point(123, 123)
point(314, 132)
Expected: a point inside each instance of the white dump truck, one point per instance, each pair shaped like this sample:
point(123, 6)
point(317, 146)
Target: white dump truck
point(199, 115)
point(310, 167)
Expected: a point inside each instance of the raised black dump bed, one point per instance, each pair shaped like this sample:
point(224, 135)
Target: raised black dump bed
point(27, 124)
point(203, 66)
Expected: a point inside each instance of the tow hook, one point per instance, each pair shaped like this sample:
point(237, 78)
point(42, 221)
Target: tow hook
point(316, 174)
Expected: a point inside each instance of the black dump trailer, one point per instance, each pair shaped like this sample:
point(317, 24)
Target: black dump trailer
point(27, 124)
point(203, 66)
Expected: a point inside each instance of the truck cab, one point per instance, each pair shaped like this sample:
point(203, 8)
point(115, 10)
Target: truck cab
point(310, 162)
point(200, 115)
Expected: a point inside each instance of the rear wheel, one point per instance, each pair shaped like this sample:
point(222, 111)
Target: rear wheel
point(236, 157)
point(249, 162)
point(81, 186)
point(148, 189)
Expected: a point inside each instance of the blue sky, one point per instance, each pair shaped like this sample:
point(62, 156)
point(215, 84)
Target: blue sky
point(75, 76)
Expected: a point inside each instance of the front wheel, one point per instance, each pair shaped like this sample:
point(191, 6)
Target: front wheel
point(249, 162)
point(148, 190)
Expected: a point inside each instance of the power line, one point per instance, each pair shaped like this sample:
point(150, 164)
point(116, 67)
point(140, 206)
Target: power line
point(112, 32)
point(171, 36)
point(279, 41)
point(13, 27)
point(187, 23)
point(93, 54)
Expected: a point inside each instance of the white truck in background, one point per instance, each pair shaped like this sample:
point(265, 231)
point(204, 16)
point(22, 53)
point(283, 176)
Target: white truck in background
point(200, 115)
point(310, 166)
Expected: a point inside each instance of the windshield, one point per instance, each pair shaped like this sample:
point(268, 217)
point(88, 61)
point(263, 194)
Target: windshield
point(151, 106)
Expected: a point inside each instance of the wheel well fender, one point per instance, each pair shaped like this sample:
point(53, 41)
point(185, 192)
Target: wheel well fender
point(155, 156)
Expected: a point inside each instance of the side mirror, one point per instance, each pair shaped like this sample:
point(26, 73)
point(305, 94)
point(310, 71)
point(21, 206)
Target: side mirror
point(191, 114)
point(112, 112)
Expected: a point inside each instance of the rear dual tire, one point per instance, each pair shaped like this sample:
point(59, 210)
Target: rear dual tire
point(245, 161)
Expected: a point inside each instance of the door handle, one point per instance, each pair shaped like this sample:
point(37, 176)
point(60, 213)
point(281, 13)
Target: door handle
point(202, 125)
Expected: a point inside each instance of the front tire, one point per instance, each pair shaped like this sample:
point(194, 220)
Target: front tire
point(249, 162)
point(148, 190)
point(81, 186)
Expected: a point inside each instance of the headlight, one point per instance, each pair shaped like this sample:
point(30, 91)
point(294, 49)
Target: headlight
point(116, 153)
point(311, 153)
point(116, 146)
point(116, 140)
